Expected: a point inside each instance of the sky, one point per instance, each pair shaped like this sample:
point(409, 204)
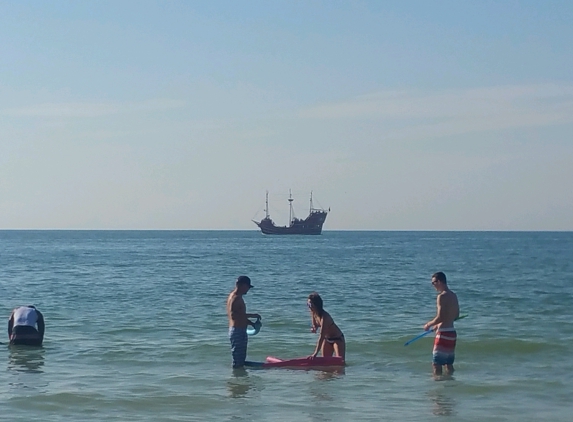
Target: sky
point(397, 115)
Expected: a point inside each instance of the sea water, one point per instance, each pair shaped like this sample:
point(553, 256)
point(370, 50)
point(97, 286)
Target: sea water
point(136, 328)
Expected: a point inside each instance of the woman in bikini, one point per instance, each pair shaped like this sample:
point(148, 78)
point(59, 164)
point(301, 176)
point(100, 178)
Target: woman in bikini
point(331, 339)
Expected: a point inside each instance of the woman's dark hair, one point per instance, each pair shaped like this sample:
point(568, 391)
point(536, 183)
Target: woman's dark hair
point(316, 301)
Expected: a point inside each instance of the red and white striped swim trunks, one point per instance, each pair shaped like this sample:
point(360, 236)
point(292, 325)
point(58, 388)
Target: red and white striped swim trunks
point(444, 346)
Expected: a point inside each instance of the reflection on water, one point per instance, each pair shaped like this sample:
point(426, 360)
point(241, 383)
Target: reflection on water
point(330, 374)
point(26, 359)
point(321, 393)
point(317, 389)
point(239, 385)
point(442, 403)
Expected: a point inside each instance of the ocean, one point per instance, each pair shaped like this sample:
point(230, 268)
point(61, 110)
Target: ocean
point(136, 328)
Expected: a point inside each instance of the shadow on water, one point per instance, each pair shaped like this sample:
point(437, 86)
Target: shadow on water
point(322, 394)
point(239, 385)
point(317, 390)
point(26, 359)
point(319, 395)
point(443, 404)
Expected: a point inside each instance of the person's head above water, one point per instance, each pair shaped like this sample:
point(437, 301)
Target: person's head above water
point(314, 303)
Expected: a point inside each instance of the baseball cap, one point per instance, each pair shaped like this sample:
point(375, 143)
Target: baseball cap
point(243, 279)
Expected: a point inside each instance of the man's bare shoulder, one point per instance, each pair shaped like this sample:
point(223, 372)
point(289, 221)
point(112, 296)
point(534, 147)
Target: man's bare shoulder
point(235, 300)
point(447, 297)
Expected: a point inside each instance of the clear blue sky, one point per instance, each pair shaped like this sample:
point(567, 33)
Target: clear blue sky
point(398, 115)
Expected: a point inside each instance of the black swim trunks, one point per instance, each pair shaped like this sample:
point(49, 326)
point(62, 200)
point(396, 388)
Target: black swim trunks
point(333, 340)
point(25, 335)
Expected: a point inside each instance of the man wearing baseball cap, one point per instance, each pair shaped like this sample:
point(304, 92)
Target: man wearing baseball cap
point(239, 320)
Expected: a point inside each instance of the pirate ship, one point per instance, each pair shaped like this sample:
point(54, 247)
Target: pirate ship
point(310, 225)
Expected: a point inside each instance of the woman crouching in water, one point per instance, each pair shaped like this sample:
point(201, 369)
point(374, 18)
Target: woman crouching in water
point(331, 339)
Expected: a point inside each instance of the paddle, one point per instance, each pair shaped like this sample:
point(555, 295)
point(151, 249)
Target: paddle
point(425, 333)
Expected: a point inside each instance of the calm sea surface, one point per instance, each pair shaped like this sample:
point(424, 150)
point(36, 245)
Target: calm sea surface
point(137, 331)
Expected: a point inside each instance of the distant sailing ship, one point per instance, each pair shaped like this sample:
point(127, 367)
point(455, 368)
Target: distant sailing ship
point(310, 225)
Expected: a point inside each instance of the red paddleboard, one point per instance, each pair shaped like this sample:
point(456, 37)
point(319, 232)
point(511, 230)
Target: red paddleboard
point(273, 362)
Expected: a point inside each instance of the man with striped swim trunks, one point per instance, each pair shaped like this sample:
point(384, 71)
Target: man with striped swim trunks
point(238, 320)
point(448, 310)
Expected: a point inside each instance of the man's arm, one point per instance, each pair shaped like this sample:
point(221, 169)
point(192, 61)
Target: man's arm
point(439, 314)
point(249, 322)
point(41, 325)
point(10, 325)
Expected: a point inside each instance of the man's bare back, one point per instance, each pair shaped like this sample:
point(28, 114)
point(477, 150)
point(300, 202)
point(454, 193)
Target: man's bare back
point(448, 307)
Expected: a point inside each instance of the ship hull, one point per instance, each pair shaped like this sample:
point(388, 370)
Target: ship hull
point(312, 225)
point(290, 230)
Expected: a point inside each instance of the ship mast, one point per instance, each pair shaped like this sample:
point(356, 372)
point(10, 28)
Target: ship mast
point(290, 207)
point(310, 212)
point(267, 206)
